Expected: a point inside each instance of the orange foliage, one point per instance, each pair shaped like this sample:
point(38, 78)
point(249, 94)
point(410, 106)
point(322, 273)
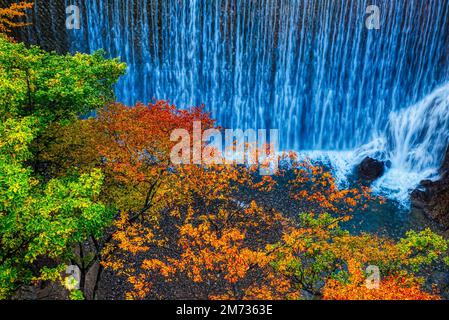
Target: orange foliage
point(140, 136)
point(317, 191)
point(132, 146)
point(216, 245)
point(183, 232)
point(390, 288)
point(208, 245)
point(209, 230)
point(14, 11)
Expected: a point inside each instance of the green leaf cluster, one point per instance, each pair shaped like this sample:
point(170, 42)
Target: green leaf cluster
point(54, 87)
point(41, 220)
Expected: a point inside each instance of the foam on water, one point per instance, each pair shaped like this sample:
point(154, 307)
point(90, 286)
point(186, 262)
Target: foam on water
point(414, 142)
point(395, 184)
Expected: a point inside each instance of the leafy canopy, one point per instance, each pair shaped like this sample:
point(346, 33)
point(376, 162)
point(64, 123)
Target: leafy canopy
point(40, 221)
point(43, 216)
point(53, 87)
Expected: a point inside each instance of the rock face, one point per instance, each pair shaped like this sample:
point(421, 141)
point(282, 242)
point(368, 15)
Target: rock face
point(47, 25)
point(433, 197)
point(371, 169)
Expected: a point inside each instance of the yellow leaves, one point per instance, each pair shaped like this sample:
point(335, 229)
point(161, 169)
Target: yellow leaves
point(206, 255)
point(351, 202)
point(355, 271)
point(212, 239)
point(157, 265)
point(303, 194)
point(266, 184)
point(274, 287)
point(203, 248)
point(132, 238)
point(317, 190)
point(115, 265)
point(365, 249)
point(141, 287)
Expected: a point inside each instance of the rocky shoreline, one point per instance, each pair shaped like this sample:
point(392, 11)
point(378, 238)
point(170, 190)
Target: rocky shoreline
point(433, 197)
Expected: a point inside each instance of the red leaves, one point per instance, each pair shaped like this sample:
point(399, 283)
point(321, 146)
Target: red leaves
point(138, 142)
point(194, 231)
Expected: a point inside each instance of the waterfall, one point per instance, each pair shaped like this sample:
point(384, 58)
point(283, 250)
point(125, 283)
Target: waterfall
point(307, 67)
point(310, 68)
point(414, 142)
point(419, 135)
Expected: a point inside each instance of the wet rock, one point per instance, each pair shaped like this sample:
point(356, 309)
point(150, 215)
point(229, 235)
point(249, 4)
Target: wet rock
point(444, 171)
point(44, 291)
point(371, 169)
point(433, 196)
point(419, 198)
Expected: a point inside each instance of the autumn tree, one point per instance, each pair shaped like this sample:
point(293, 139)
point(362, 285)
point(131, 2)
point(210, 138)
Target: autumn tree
point(391, 288)
point(321, 257)
point(184, 231)
point(213, 248)
point(326, 261)
point(317, 191)
point(214, 245)
point(132, 147)
point(218, 247)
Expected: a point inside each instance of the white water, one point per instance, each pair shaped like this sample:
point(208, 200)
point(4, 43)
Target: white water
point(414, 141)
point(417, 138)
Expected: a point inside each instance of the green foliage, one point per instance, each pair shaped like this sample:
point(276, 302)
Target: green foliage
point(304, 255)
point(320, 250)
point(76, 295)
point(53, 87)
point(45, 214)
point(41, 220)
point(422, 248)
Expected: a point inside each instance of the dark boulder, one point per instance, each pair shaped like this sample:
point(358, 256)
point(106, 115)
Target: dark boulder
point(371, 169)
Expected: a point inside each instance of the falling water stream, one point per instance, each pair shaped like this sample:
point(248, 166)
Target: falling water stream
point(310, 68)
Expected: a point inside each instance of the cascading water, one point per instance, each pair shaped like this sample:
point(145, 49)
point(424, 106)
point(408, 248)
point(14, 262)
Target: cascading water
point(416, 140)
point(310, 68)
